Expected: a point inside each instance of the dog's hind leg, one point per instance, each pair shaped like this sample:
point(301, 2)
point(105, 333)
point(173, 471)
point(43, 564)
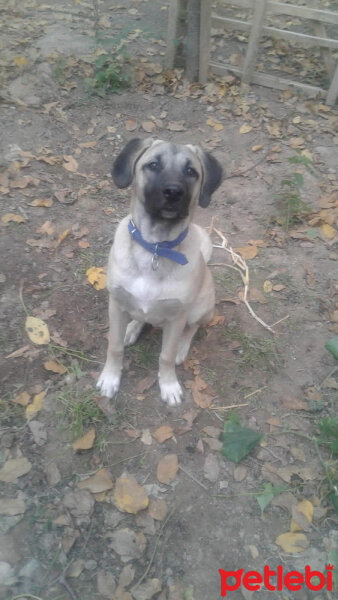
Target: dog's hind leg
point(133, 331)
point(185, 341)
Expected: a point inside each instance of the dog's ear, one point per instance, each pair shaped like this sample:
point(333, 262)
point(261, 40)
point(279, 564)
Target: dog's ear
point(212, 176)
point(124, 165)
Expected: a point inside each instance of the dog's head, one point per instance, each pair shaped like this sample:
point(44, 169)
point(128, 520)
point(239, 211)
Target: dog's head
point(169, 178)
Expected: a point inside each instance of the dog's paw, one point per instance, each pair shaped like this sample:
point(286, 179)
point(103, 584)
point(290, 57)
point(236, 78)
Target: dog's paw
point(171, 393)
point(108, 383)
point(133, 331)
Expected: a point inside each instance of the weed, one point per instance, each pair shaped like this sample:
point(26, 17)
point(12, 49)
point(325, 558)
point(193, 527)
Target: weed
point(290, 194)
point(109, 75)
point(59, 70)
point(78, 411)
point(10, 412)
point(144, 353)
point(252, 351)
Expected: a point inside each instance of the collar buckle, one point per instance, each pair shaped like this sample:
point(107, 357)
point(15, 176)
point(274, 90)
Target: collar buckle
point(155, 259)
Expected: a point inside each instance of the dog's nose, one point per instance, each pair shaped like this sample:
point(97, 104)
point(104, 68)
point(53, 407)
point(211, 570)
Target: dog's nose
point(173, 193)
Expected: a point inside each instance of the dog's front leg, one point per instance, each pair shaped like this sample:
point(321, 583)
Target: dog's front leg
point(109, 380)
point(171, 391)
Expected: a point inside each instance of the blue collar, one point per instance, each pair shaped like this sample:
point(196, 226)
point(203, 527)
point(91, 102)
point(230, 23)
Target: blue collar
point(161, 248)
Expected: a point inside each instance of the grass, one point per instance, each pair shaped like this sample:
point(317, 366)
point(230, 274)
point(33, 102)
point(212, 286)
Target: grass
point(293, 207)
point(253, 351)
point(78, 411)
point(145, 353)
point(10, 413)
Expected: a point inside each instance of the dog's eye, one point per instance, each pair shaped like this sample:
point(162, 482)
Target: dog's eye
point(191, 172)
point(153, 165)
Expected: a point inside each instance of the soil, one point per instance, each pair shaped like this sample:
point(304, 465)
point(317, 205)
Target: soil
point(214, 520)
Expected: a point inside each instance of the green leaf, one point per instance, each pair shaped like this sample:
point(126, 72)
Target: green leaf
point(237, 441)
point(332, 346)
point(298, 178)
point(269, 492)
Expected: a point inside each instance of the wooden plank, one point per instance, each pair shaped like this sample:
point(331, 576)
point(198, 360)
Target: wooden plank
point(333, 90)
point(320, 30)
point(229, 23)
point(305, 12)
point(271, 81)
point(255, 34)
point(205, 32)
point(172, 35)
point(192, 42)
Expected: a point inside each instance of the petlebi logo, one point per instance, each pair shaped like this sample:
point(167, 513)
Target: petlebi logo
point(278, 580)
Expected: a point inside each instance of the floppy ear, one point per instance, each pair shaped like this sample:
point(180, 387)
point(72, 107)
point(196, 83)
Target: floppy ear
point(124, 165)
point(212, 176)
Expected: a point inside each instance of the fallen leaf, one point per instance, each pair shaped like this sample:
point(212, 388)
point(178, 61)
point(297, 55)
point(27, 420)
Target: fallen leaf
point(14, 468)
point(237, 441)
point(267, 287)
point(256, 148)
point(100, 482)
point(70, 164)
point(47, 228)
point(62, 237)
point(12, 506)
point(247, 252)
point(35, 406)
point(148, 126)
point(45, 202)
point(216, 320)
point(146, 437)
point(213, 432)
point(147, 590)
point(294, 403)
point(19, 352)
point(200, 393)
point(22, 399)
point(211, 468)
point(85, 442)
point(301, 516)
point(167, 468)
point(37, 330)
point(163, 433)
point(52, 365)
point(97, 277)
point(292, 542)
point(296, 142)
point(12, 218)
point(240, 473)
point(129, 496)
point(20, 61)
point(157, 509)
point(245, 128)
point(145, 384)
point(176, 126)
point(131, 125)
point(327, 231)
point(83, 244)
point(127, 543)
point(22, 182)
point(278, 287)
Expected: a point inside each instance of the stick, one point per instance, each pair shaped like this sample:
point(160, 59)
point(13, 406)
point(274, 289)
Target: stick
point(193, 478)
point(255, 392)
point(226, 408)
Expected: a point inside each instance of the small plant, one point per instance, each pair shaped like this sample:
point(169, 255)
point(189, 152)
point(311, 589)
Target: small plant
point(109, 75)
point(290, 194)
point(252, 351)
point(78, 411)
point(59, 70)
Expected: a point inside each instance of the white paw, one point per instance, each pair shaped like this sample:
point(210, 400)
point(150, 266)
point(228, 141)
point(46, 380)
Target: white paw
point(133, 331)
point(171, 393)
point(108, 383)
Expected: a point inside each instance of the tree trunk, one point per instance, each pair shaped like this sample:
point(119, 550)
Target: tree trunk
point(193, 39)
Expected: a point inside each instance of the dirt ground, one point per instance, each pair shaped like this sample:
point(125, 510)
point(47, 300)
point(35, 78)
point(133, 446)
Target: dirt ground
point(62, 537)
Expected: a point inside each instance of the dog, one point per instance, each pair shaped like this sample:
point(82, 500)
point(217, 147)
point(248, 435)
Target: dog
point(157, 271)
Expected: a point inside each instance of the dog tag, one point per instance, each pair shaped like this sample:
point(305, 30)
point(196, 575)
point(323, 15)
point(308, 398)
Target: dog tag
point(154, 262)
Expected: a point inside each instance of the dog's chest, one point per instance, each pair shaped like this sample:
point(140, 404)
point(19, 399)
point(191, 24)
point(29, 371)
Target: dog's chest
point(146, 299)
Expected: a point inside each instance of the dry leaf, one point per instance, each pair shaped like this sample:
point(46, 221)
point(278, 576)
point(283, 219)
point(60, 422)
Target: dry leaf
point(256, 148)
point(216, 320)
point(213, 432)
point(47, 228)
point(85, 442)
point(62, 237)
point(267, 286)
point(163, 433)
point(247, 252)
point(83, 244)
point(301, 516)
point(176, 126)
point(157, 509)
point(12, 218)
point(70, 164)
point(200, 394)
point(292, 542)
point(145, 384)
point(12, 506)
point(22, 399)
point(167, 468)
point(327, 231)
point(129, 496)
point(131, 125)
point(97, 277)
point(37, 330)
point(14, 468)
point(20, 61)
point(35, 406)
point(278, 287)
point(52, 365)
point(245, 128)
point(294, 403)
point(100, 482)
point(148, 126)
point(46, 202)
point(146, 437)
point(19, 352)
point(296, 142)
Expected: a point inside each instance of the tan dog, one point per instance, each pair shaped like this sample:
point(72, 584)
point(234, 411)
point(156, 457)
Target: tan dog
point(157, 271)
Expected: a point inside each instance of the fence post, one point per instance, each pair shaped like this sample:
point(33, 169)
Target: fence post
point(255, 33)
point(205, 33)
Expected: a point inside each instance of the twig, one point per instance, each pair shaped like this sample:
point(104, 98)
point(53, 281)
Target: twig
point(242, 268)
point(280, 320)
point(242, 173)
point(193, 478)
point(26, 596)
point(227, 407)
point(154, 551)
point(255, 392)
